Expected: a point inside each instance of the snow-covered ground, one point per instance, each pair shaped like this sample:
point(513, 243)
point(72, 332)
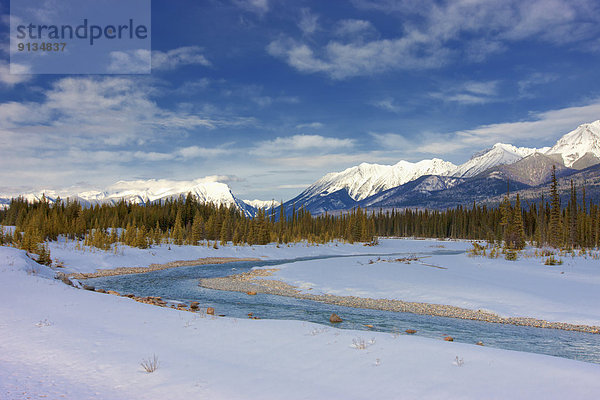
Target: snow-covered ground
point(89, 259)
point(60, 342)
point(523, 288)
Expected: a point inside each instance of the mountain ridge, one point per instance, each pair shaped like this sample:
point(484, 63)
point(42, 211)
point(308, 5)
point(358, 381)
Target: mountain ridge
point(526, 167)
point(144, 192)
point(428, 181)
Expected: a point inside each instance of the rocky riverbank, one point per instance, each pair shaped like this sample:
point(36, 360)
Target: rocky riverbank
point(252, 282)
point(156, 267)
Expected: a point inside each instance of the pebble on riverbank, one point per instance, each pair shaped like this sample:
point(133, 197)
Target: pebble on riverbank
point(335, 319)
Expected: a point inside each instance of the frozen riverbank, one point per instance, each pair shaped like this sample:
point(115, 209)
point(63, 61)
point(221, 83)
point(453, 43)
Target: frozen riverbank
point(61, 342)
point(253, 282)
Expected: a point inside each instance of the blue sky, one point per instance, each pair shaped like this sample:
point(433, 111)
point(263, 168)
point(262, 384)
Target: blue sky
point(270, 95)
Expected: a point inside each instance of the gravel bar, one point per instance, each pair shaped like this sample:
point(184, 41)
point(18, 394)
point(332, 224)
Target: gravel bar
point(251, 282)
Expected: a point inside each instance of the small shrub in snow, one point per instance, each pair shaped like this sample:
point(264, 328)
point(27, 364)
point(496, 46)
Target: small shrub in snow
point(317, 331)
point(510, 255)
point(151, 364)
point(553, 261)
point(45, 322)
point(477, 250)
point(361, 344)
point(459, 362)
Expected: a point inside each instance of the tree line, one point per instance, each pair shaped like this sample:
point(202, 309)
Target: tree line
point(184, 220)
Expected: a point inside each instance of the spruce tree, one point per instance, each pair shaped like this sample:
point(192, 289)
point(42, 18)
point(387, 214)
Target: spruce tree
point(197, 228)
point(555, 230)
point(177, 234)
point(518, 230)
point(141, 238)
point(44, 255)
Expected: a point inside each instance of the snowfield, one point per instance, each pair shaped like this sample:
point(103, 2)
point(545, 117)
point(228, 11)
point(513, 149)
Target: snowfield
point(88, 260)
point(60, 342)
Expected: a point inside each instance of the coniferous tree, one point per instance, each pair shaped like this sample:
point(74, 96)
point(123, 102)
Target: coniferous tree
point(197, 228)
point(177, 234)
point(518, 230)
point(572, 212)
point(555, 230)
point(141, 238)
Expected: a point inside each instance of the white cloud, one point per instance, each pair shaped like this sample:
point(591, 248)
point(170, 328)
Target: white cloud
point(203, 152)
point(388, 104)
point(19, 75)
point(470, 92)
point(540, 129)
point(541, 125)
point(255, 94)
point(343, 60)
point(308, 23)
point(311, 125)
point(391, 140)
point(172, 59)
point(130, 62)
point(93, 128)
point(331, 162)
point(302, 143)
point(351, 27)
point(432, 30)
point(527, 85)
point(478, 50)
point(257, 6)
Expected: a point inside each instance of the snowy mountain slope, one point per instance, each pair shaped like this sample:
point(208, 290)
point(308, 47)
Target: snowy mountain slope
point(588, 178)
point(533, 170)
point(589, 159)
point(499, 154)
point(452, 192)
point(579, 142)
point(419, 188)
point(146, 191)
point(343, 190)
point(366, 179)
point(258, 204)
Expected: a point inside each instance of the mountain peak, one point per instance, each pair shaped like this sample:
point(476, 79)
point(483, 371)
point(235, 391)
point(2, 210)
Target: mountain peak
point(577, 143)
point(205, 190)
point(366, 179)
point(498, 154)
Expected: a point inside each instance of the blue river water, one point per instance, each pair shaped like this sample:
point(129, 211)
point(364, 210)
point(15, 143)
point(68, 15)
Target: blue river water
point(181, 284)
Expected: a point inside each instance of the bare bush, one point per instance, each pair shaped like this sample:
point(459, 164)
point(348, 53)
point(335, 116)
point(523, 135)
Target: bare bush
point(151, 364)
point(459, 362)
point(361, 344)
point(44, 322)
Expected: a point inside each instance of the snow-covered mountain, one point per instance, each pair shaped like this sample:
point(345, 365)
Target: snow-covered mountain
point(585, 140)
point(578, 150)
point(146, 191)
point(265, 204)
point(499, 154)
point(343, 190)
point(366, 179)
